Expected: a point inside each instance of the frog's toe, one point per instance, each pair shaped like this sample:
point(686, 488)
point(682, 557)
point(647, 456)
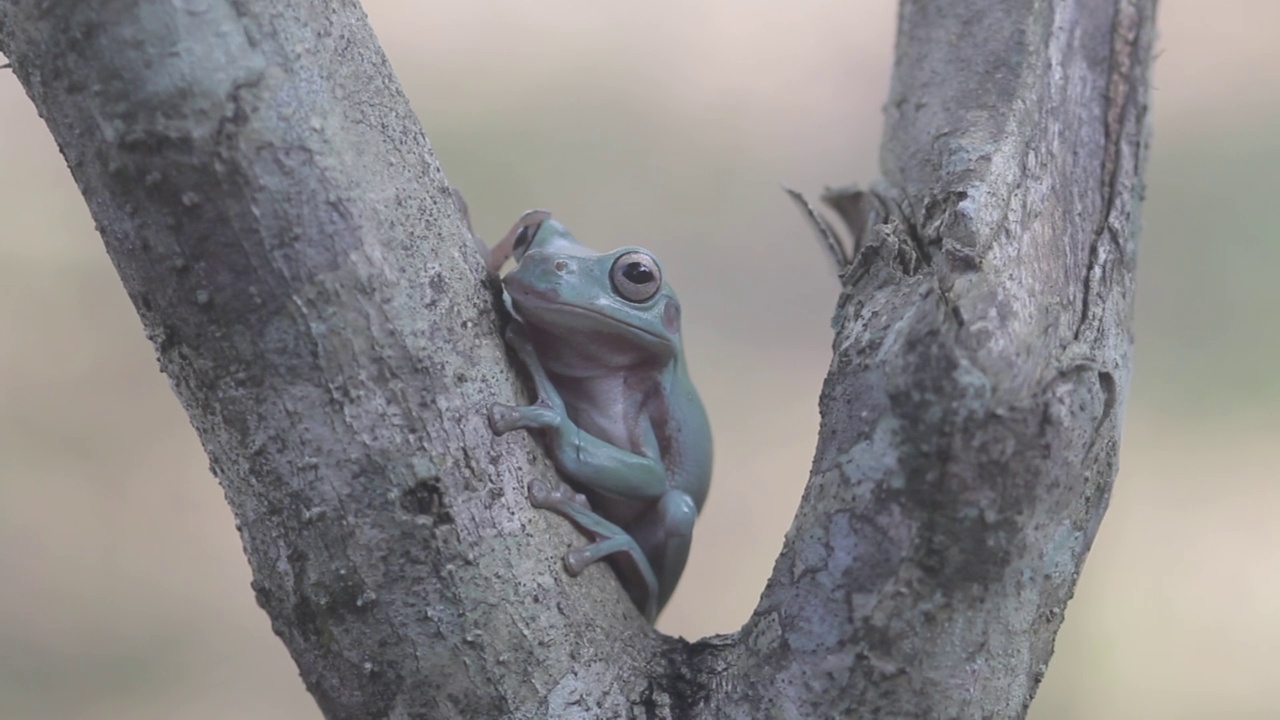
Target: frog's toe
point(554, 496)
point(540, 493)
point(503, 418)
point(577, 560)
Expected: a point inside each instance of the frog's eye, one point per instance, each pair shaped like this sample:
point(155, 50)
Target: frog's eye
point(636, 276)
point(523, 238)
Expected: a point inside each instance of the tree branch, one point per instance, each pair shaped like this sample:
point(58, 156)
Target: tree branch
point(294, 253)
point(292, 249)
point(971, 417)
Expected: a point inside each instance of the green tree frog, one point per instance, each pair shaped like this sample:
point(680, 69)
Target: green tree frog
point(600, 335)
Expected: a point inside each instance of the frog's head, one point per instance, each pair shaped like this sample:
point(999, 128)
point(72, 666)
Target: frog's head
point(618, 299)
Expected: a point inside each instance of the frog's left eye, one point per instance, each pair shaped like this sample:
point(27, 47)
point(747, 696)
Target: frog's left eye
point(523, 240)
point(636, 276)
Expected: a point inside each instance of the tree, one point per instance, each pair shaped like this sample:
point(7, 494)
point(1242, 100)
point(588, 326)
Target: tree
point(294, 254)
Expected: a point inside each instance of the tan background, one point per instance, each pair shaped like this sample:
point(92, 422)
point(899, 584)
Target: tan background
point(123, 591)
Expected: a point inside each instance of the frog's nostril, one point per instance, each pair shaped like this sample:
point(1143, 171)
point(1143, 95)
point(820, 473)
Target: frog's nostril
point(561, 266)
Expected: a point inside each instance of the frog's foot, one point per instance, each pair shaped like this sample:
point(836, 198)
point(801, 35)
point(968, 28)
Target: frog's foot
point(645, 597)
point(504, 418)
point(545, 496)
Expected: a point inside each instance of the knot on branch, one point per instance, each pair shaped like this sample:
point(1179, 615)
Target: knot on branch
point(871, 219)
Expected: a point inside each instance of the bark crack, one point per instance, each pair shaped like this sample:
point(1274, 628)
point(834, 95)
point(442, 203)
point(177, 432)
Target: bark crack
point(1126, 29)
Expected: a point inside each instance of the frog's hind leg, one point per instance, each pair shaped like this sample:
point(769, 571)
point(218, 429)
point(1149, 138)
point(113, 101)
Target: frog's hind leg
point(609, 539)
point(666, 533)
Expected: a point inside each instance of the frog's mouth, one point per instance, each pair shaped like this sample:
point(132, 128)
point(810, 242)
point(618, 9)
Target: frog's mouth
point(548, 305)
point(550, 301)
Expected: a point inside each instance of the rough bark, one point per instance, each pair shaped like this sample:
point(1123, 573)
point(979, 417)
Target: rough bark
point(275, 214)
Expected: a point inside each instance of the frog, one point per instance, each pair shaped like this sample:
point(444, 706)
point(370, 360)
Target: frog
point(600, 336)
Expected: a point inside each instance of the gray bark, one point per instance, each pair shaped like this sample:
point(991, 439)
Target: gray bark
point(276, 216)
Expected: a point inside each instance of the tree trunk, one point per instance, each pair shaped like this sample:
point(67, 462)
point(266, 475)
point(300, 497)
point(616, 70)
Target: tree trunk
point(292, 249)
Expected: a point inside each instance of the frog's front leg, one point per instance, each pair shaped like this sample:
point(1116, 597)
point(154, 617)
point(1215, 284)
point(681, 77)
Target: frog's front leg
point(548, 411)
point(582, 456)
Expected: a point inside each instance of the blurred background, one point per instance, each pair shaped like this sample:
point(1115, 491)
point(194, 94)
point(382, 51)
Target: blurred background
point(123, 590)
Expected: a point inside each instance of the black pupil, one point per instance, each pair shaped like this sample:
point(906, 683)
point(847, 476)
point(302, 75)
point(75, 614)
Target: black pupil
point(522, 238)
point(637, 273)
